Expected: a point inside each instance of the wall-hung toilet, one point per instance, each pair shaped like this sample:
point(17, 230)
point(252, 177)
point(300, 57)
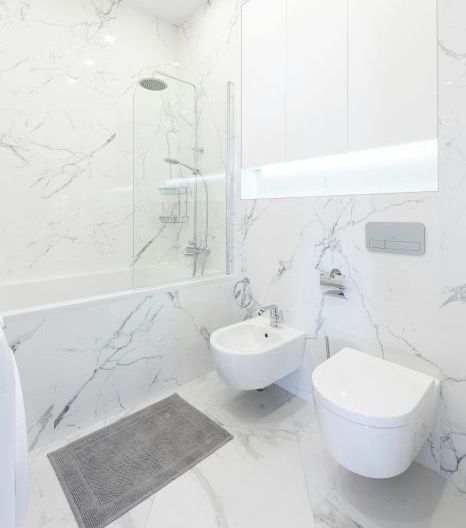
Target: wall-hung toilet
point(374, 414)
point(13, 440)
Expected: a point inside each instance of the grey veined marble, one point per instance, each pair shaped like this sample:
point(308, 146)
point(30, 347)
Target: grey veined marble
point(409, 310)
point(274, 473)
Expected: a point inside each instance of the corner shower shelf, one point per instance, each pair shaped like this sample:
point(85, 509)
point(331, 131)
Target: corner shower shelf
point(174, 205)
point(171, 191)
point(173, 219)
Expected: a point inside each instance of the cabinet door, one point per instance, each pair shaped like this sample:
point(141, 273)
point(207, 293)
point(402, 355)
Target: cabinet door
point(316, 95)
point(392, 68)
point(263, 82)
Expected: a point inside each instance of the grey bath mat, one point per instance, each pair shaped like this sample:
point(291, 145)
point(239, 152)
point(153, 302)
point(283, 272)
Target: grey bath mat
point(108, 472)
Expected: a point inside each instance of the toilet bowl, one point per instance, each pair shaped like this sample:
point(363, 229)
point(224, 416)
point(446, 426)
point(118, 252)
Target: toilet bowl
point(374, 414)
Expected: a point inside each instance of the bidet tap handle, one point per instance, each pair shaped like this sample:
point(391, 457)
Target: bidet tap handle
point(276, 315)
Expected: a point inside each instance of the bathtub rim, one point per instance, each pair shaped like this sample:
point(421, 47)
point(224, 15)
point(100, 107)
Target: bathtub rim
point(122, 295)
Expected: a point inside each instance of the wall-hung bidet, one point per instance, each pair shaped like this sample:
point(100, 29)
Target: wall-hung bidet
point(374, 414)
point(13, 443)
point(254, 354)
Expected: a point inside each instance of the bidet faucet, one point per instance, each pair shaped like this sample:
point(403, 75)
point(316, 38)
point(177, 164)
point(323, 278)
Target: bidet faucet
point(276, 316)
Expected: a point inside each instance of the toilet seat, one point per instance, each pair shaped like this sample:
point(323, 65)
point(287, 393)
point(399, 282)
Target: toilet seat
point(368, 390)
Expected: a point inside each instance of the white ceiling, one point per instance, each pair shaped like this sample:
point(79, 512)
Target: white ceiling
point(174, 11)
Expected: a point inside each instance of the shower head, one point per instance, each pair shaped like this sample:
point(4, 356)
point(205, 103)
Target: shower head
point(173, 161)
point(156, 85)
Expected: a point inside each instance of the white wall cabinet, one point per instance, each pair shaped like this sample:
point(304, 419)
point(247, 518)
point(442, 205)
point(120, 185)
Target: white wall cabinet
point(316, 78)
point(323, 77)
point(263, 82)
point(392, 72)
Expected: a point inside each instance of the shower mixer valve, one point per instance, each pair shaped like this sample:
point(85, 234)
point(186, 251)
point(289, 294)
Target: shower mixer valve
point(192, 250)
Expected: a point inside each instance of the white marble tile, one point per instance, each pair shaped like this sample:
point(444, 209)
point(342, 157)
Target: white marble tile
point(79, 366)
point(418, 498)
point(208, 56)
point(255, 480)
point(269, 409)
point(235, 487)
point(265, 477)
point(409, 310)
point(66, 132)
point(66, 142)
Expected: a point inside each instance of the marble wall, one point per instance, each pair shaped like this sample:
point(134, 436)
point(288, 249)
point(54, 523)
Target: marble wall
point(210, 53)
point(82, 364)
point(68, 73)
point(407, 309)
point(164, 127)
point(68, 70)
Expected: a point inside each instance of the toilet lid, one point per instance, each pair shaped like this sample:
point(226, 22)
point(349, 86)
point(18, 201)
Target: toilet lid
point(369, 390)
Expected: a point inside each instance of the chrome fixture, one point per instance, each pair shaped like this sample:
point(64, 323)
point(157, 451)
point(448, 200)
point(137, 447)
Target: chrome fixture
point(276, 316)
point(242, 293)
point(327, 347)
point(196, 248)
point(153, 84)
point(333, 283)
point(230, 173)
point(173, 161)
point(192, 250)
point(156, 84)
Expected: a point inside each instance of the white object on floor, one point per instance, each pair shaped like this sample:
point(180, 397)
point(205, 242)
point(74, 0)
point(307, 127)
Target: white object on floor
point(374, 414)
point(253, 355)
point(13, 440)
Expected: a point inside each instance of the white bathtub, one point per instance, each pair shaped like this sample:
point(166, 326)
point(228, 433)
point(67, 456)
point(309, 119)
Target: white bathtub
point(22, 295)
point(37, 294)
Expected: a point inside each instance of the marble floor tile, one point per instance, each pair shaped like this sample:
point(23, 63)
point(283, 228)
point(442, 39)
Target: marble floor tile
point(269, 409)
point(274, 474)
point(419, 498)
